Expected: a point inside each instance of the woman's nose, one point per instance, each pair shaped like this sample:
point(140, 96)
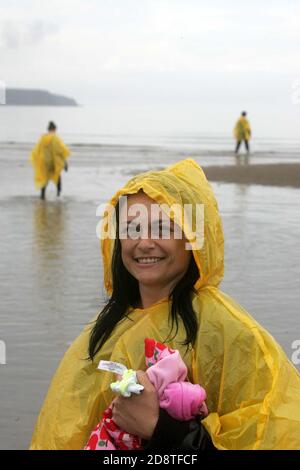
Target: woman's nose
point(146, 243)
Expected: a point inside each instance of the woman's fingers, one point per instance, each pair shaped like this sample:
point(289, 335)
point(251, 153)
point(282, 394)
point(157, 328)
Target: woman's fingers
point(138, 414)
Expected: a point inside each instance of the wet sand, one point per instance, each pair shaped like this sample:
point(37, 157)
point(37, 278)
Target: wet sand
point(281, 174)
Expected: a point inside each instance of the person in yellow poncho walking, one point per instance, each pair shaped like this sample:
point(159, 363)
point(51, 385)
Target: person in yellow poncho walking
point(49, 158)
point(167, 288)
point(242, 132)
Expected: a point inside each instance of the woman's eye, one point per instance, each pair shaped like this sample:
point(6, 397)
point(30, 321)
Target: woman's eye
point(134, 231)
point(167, 226)
point(164, 230)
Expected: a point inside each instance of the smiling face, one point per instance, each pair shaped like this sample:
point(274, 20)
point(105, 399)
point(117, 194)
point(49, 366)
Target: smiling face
point(157, 263)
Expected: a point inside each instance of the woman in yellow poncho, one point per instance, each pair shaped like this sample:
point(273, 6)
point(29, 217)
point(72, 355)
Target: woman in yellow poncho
point(242, 132)
point(253, 391)
point(49, 158)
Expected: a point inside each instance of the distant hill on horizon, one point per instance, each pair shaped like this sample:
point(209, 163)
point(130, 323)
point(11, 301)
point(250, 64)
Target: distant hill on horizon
point(33, 97)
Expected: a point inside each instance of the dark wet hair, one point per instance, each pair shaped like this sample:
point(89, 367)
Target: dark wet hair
point(126, 295)
point(51, 126)
point(244, 113)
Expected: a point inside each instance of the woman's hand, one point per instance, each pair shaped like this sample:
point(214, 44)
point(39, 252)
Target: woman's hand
point(138, 414)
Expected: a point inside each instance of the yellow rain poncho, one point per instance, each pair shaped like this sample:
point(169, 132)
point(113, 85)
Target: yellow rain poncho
point(242, 130)
point(253, 391)
point(48, 159)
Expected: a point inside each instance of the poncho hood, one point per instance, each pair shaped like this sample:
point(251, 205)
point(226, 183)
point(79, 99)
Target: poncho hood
point(178, 186)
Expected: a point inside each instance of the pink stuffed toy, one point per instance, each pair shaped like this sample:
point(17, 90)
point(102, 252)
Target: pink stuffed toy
point(181, 399)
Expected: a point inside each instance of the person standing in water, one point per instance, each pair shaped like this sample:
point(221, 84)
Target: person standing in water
point(242, 132)
point(49, 158)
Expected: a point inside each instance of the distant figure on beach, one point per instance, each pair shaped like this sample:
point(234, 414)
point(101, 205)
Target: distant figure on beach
point(49, 158)
point(242, 132)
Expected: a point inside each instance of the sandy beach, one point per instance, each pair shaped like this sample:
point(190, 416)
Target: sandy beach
point(281, 174)
point(271, 174)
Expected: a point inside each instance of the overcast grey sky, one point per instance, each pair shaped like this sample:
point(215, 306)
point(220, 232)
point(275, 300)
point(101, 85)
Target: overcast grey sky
point(191, 58)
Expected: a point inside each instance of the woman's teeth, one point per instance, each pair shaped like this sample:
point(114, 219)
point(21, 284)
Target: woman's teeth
point(148, 260)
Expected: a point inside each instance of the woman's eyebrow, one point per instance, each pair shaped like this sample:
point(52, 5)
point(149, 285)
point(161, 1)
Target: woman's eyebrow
point(132, 221)
point(126, 222)
point(154, 222)
point(162, 221)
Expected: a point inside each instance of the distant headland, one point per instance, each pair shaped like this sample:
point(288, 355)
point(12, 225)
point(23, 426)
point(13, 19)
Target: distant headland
point(32, 97)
